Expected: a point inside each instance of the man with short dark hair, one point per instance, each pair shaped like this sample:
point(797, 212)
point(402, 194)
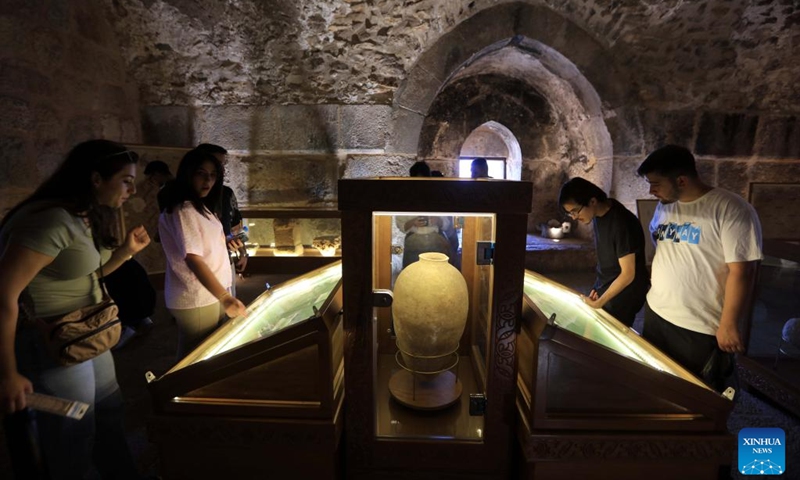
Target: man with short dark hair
point(708, 245)
point(419, 169)
point(479, 168)
point(622, 279)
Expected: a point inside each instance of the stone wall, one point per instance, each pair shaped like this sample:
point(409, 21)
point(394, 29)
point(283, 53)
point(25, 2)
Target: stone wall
point(718, 54)
point(733, 150)
point(362, 87)
point(62, 81)
point(305, 92)
point(284, 155)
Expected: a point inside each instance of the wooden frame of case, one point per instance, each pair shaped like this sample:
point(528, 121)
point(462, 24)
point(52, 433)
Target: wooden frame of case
point(237, 404)
point(571, 427)
point(369, 456)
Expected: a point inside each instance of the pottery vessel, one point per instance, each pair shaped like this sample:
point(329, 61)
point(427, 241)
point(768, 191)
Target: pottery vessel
point(430, 312)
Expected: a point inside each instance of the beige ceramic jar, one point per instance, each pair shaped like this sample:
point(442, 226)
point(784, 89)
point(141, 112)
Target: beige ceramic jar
point(430, 311)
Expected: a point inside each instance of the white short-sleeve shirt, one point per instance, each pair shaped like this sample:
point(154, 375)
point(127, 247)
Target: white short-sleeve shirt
point(694, 243)
point(186, 231)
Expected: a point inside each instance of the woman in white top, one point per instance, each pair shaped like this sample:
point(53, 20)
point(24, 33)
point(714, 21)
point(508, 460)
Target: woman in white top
point(198, 270)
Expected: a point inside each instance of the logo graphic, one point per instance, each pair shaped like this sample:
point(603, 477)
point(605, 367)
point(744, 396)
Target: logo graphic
point(675, 233)
point(762, 451)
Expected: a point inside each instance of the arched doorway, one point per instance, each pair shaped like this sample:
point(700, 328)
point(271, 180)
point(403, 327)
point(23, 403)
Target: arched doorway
point(498, 145)
point(511, 74)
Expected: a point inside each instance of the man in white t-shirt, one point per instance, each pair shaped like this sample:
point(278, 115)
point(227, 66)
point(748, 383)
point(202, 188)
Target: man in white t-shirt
point(708, 245)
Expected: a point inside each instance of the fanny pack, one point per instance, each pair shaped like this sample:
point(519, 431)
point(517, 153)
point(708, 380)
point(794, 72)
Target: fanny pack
point(82, 334)
point(79, 335)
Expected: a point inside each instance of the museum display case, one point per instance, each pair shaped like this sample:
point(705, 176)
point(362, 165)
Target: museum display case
point(594, 397)
point(414, 410)
point(260, 386)
point(291, 240)
point(772, 365)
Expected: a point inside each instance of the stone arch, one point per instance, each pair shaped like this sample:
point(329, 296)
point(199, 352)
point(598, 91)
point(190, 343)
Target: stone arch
point(592, 62)
point(504, 137)
point(554, 57)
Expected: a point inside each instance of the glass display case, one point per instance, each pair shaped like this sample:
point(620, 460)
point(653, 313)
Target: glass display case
point(593, 396)
point(257, 387)
point(291, 240)
point(432, 395)
point(771, 364)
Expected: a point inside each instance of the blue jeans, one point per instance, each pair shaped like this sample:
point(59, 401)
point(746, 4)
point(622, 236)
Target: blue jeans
point(70, 448)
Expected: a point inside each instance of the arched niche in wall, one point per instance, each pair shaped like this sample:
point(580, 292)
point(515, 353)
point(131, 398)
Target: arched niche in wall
point(493, 140)
point(498, 66)
point(532, 91)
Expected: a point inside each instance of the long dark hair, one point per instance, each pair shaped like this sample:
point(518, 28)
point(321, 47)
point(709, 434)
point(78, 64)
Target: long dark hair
point(70, 186)
point(181, 189)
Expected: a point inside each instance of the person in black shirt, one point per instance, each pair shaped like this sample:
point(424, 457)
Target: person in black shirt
point(622, 278)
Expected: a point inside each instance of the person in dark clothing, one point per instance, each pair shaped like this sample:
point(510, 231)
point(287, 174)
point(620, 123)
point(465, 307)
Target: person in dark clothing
point(622, 278)
point(445, 224)
point(129, 285)
point(135, 296)
point(419, 169)
point(480, 168)
point(157, 174)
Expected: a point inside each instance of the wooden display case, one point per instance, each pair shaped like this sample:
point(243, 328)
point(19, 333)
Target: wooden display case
point(596, 401)
point(291, 240)
point(263, 395)
point(473, 437)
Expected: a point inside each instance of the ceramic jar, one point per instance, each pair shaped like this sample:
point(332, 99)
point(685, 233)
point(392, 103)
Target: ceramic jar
point(430, 312)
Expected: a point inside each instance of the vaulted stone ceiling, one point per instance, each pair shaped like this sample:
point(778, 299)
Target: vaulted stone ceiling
point(721, 54)
point(342, 88)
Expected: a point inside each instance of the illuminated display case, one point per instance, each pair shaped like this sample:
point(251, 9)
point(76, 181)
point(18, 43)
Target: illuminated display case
point(259, 386)
point(593, 397)
point(403, 430)
point(291, 240)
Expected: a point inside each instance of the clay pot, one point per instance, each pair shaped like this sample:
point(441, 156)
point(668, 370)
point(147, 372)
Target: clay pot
point(430, 312)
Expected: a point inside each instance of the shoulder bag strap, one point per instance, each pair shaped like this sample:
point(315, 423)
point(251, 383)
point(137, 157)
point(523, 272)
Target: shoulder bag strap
point(100, 281)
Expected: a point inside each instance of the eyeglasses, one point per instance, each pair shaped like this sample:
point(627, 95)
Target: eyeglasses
point(575, 213)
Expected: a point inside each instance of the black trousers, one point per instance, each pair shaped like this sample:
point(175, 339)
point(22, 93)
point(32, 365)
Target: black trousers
point(697, 352)
point(130, 288)
point(628, 302)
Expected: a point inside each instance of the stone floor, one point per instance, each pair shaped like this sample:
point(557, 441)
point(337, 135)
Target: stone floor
point(155, 352)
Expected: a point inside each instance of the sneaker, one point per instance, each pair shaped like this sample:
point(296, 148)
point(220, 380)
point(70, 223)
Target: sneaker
point(144, 326)
point(127, 334)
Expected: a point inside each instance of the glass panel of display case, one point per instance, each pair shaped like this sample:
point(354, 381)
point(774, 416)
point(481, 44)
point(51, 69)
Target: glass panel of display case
point(293, 236)
point(273, 311)
point(423, 389)
point(571, 313)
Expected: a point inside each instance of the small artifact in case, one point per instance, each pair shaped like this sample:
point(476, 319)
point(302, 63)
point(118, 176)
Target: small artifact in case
point(287, 237)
